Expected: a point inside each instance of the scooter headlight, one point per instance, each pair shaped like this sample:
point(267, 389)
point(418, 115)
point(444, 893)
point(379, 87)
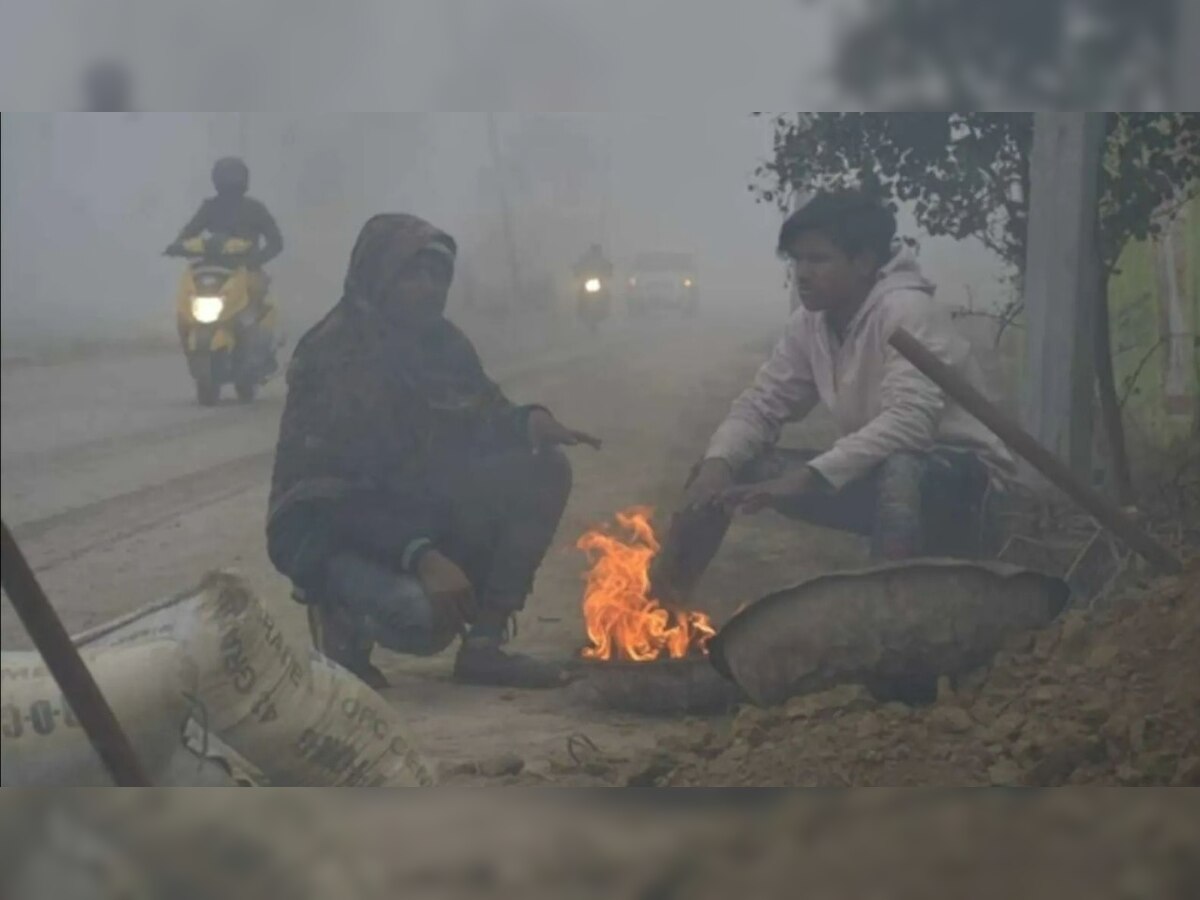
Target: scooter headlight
point(207, 310)
point(592, 285)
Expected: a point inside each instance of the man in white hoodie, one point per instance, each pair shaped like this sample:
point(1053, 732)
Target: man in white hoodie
point(911, 470)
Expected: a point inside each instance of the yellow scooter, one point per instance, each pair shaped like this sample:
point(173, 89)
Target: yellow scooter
point(227, 336)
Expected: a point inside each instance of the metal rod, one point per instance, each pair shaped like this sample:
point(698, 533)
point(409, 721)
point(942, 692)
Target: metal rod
point(78, 686)
point(969, 398)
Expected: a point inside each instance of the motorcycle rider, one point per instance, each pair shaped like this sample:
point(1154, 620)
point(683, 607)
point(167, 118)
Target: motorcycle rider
point(400, 462)
point(594, 264)
point(233, 214)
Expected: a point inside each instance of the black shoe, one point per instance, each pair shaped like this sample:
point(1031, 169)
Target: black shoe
point(481, 661)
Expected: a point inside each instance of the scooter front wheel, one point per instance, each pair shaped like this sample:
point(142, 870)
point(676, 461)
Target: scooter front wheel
point(208, 389)
point(247, 390)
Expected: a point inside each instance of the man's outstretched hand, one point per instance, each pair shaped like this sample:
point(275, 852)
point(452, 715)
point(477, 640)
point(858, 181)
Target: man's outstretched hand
point(712, 479)
point(751, 498)
point(547, 431)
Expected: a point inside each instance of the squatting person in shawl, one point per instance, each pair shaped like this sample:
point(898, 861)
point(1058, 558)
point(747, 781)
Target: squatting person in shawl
point(911, 469)
point(411, 500)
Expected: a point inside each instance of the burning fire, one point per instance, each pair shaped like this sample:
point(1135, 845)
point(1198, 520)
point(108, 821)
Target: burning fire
point(623, 621)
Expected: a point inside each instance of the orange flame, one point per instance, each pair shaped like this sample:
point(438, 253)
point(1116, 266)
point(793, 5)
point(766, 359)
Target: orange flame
point(623, 621)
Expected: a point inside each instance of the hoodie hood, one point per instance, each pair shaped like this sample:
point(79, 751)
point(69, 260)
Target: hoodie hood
point(900, 273)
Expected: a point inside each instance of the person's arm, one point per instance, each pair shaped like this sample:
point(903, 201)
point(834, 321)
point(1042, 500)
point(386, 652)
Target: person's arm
point(319, 455)
point(783, 391)
point(272, 238)
point(195, 226)
point(911, 405)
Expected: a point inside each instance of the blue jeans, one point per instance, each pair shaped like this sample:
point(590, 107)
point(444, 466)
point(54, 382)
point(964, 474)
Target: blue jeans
point(911, 504)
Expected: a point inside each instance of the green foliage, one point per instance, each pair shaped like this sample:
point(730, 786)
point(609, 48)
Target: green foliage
point(967, 174)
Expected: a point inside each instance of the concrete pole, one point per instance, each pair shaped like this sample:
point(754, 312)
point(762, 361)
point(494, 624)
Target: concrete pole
point(1060, 284)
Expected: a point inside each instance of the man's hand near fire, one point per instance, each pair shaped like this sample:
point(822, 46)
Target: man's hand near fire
point(752, 498)
point(712, 478)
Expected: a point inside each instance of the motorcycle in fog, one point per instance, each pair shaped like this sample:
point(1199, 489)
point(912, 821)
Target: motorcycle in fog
point(228, 338)
point(593, 300)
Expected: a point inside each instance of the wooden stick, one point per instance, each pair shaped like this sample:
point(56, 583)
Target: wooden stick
point(67, 667)
point(969, 398)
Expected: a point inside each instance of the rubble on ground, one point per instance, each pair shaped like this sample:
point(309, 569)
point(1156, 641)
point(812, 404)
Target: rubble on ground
point(1105, 697)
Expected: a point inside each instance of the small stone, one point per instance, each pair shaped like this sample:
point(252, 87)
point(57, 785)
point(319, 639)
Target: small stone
point(1005, 726)
point(1187, 773)
point(1129, 776)
point(1158, 768)
point(945, 690)
point(1019, 643)
point(753, 719)
point(650, 773)
point(1137, 735)
point(844, 697)
point(459, 769)
point(953, 719)
point(868, 726)
point(1072, 636)
point(897, 710)
point(1045, 643)
point(1045, 693)
point(1094, 711)
point(1103, 656)
point(1027, 748)
point(500, 766)
point(1063, 758)
point(1004, 772)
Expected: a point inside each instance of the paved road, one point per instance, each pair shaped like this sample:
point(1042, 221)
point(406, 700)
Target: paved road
point(123, 491)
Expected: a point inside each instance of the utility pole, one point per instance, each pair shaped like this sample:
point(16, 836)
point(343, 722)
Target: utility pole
point(1061, 280)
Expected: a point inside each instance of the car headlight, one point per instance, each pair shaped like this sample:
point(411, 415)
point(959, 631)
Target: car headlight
point(207, 310)
point(687, 282)
point(592, 285)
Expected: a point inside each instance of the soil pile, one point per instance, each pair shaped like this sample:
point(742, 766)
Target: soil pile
point(1111, 697)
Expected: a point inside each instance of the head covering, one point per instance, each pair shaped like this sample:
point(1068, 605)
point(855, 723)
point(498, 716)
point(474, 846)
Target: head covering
point(385, 244)
point(368, 399)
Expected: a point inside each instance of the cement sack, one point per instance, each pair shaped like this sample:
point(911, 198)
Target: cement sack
point(41, 742)
point(296, 717)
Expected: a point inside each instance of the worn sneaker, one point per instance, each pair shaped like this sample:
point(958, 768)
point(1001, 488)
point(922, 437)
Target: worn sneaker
point(482, 661)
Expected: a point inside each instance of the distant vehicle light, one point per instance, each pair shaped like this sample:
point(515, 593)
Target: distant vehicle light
point(687, 282)
point(592, 285)
point(633, 282)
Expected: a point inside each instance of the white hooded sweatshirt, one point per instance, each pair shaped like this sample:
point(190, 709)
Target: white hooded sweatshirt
point(881, 403)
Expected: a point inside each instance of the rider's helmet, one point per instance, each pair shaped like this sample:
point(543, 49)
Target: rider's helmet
point(230, 176)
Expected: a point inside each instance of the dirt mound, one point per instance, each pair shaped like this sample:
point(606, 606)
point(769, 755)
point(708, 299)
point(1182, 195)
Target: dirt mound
point(1106, 698)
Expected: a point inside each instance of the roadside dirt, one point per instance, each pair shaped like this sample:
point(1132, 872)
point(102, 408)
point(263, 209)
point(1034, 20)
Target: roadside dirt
point(1106, 698)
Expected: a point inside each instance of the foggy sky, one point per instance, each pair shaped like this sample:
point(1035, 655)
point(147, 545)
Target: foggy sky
point(90, 201)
